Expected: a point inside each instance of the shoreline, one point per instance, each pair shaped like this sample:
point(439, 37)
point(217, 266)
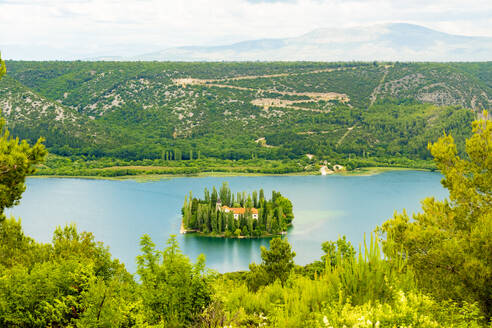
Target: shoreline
point(183, 231)
point(366, 171)
point(369, 171)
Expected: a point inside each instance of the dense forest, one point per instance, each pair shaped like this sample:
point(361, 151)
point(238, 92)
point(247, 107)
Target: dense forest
point(227, 215)
point(431, 270)
point(127, 118)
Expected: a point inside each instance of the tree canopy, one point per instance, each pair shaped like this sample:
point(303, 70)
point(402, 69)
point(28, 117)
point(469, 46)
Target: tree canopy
point(254, 217)
point(449, 244)
point(276, 264)
point(17, 160)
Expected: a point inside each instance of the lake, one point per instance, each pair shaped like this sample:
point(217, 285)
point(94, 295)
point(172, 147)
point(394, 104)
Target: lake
point(120, 212)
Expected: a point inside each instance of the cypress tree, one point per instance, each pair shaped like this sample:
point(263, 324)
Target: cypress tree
point(206, 218)
point(238, 199)
point(249, 203)
point(269, 221)
point(214, 197)
point(218, 223)
point(185, 211)
point(223, 223)
point(213, 222)
point(231, 223)
point(223, 192)
point(249, 221)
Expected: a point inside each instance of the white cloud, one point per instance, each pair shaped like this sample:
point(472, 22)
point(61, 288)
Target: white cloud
point(79, 28)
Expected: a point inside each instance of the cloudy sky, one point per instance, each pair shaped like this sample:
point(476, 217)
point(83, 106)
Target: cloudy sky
point(67, 29)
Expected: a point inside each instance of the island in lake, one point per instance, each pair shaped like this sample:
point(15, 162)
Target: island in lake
point(223, 214)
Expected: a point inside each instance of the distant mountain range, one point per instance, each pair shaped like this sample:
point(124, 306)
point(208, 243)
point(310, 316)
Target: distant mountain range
point(383, 42)
point(386, 42)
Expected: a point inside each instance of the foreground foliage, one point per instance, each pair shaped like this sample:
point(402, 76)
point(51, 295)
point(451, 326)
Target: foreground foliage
point(358, 291)
point(73, 279)
point(449, 244)
point(173, 290)
point(74, 282)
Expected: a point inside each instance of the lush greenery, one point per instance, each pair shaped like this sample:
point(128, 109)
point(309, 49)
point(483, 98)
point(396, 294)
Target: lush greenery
point(432, 271)
point(110, 118)
point(17, 160)
point(208, 216)
point(449, 244)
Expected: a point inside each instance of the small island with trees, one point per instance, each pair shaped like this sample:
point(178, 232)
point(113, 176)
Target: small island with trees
point(240, 215)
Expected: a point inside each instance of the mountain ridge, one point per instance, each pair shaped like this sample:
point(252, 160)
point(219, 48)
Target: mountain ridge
point(382, 42)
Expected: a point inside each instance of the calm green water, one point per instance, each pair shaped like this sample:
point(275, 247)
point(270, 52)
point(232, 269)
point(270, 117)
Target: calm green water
point(120, 212)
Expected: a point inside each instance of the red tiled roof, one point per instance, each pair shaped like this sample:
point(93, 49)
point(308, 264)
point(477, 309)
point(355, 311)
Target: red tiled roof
point(239, 210)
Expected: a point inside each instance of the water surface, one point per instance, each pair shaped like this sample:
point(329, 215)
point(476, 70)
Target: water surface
point(120, 212)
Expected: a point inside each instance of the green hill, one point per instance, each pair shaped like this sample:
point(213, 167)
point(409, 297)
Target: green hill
point(357, 114)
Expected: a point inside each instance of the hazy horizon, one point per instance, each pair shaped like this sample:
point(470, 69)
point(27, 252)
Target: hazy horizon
point(80, 29)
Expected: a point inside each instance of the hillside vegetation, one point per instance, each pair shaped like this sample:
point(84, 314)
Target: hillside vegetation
point(119, 116)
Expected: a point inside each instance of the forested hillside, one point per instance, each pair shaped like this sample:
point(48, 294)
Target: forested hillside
point(106, 114)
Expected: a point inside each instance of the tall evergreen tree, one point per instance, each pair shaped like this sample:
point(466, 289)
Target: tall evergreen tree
point(231, 223)
point(262, 195)
point(213, 222)
point(223, 192)
point(213, 199)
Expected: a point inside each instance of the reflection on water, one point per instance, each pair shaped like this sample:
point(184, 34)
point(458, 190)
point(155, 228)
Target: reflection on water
point(225, 254)
point(120, 212)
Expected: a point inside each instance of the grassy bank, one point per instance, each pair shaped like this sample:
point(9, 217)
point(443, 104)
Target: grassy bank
point(117, 168)
point(366, 171)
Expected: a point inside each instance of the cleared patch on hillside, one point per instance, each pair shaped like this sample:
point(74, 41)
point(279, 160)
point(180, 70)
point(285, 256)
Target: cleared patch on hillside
point(266, 103)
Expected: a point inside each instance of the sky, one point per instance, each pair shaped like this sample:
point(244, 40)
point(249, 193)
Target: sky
point(77, 29)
